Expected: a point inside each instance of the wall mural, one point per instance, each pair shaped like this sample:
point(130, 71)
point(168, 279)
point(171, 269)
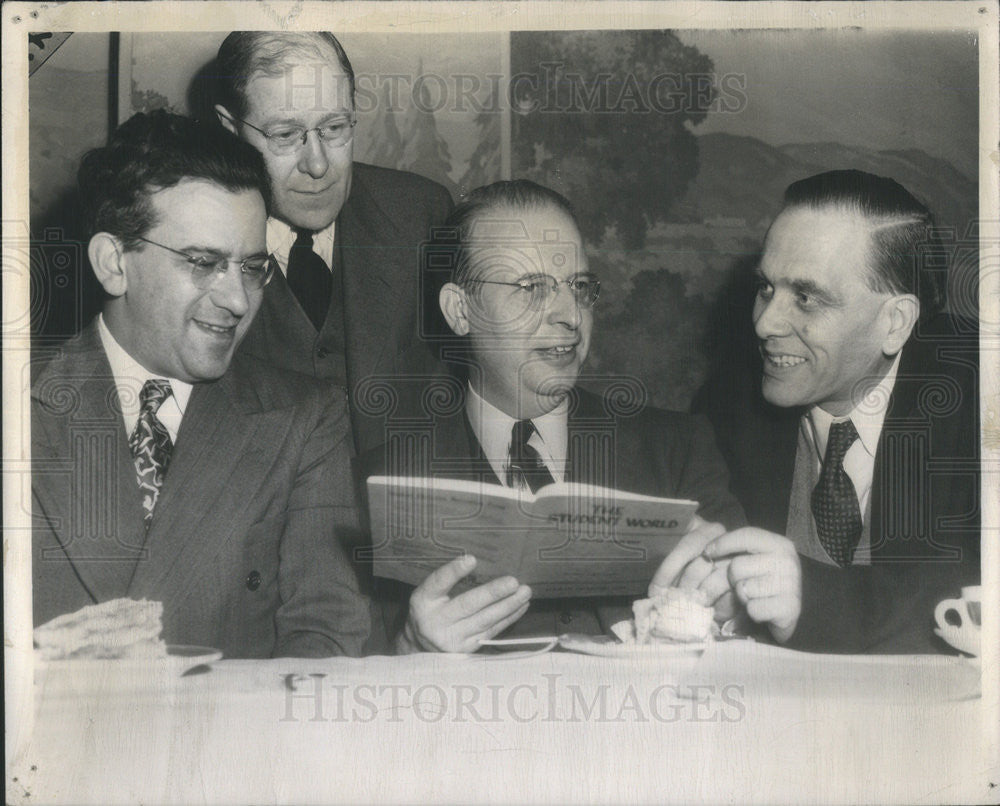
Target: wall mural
point(675, 148)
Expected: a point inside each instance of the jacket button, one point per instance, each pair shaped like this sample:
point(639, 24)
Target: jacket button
point(566, 618)
point(253, 580)
point(322, 352)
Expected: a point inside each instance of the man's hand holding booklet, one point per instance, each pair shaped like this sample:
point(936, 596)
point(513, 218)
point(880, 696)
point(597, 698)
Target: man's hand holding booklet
point(565, 540)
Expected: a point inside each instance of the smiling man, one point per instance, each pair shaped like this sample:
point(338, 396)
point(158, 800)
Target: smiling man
point(859, 442)
point(164, 467)
point(346, 303)
point(522, 297)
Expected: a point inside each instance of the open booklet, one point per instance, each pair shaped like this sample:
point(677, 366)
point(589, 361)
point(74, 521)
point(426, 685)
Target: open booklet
point(566, 540)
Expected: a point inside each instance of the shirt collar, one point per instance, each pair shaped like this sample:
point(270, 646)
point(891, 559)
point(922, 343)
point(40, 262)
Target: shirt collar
point(281, 237)
point(130, 375)
point(493, 428)
point(868, 415)
point(552, 428)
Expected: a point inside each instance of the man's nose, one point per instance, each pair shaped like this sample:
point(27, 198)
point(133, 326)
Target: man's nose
point(229, 293)
point(770, 318)
point(312, 156)
point(563, 309)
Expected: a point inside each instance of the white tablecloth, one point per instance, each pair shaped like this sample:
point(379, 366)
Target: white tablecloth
point(747, 723)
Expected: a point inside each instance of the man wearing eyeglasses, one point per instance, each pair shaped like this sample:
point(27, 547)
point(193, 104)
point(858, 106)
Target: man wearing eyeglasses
point(346, 303)
point(165, 468)
point(522, 295)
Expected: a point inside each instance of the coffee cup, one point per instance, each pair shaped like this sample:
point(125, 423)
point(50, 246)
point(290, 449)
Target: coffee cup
point(959, 620)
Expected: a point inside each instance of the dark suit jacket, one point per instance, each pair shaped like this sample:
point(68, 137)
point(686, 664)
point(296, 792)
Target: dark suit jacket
point(613, 442)
point(924, 503)
point(242, 548)
point(386, 218)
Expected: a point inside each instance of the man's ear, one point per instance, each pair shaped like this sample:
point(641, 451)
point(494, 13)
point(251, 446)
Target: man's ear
point(227, 120)
point(107, 257)
point(453, 305)
point(901, 312)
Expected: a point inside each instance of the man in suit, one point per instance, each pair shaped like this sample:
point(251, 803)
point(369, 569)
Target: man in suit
point(163, 467)
point(346, 304)
point(522, 296)
point(855, 433)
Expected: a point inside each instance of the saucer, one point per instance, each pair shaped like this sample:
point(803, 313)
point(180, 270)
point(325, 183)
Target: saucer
point(963, 640)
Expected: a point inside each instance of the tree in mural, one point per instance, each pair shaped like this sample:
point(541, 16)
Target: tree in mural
point(425, 150)
point(603, 117)
point(484, 163)
point(384, 146)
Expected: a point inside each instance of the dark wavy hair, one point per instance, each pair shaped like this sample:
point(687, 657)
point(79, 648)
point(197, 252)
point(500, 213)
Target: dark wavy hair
point(902, 231)
point(155, 151)
point(244, 54)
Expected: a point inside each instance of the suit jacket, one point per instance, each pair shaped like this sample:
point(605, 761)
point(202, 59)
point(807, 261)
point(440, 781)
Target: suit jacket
point(387, 216)
point(241, 549)
point(613, 442)
point(924, 502)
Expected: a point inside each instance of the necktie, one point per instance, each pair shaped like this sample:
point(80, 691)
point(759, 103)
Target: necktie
point(150, 443)
point(834, 500)
point(309, 278)
point(526, 466)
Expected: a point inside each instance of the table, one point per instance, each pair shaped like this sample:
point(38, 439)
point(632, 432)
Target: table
point(745, 723)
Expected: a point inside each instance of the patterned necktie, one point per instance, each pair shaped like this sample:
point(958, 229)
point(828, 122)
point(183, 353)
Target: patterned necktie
point(309, 278)
point(834, 500)
point(526, 468)
point(150, 443)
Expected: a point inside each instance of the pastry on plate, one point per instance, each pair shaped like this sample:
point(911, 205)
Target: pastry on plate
point(119, 628)
point(674, 616)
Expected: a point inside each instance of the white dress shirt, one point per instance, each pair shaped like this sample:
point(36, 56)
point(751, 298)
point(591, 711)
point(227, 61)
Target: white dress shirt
point(867, 416)
point(130, 375)
point(493, 429)
point(281, 238)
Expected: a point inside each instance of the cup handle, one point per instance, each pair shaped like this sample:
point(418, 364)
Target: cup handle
point(958, 605)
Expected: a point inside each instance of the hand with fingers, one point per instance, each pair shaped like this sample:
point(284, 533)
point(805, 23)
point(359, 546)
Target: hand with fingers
point(438, 622)
point(765, 574)
point(687, 567)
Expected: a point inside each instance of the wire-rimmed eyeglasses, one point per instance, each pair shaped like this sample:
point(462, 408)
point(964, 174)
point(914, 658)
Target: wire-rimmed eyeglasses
point(256, 270)
point(286, 139)
point(539, 288)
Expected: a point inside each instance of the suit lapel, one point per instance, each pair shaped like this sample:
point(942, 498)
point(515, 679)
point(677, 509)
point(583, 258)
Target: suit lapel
point(281, 334)
point(777, 483)
point(892, 454)
point(220, 449)
point(83, 476)
point(593, 442)
point(370, 266)
point(765, 462)
point(457, 453)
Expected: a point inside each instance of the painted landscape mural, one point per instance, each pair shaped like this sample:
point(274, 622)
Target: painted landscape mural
point(674, 147)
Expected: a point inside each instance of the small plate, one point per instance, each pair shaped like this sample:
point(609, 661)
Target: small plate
point(180, 659)
point(543, 644)
point(609, 647)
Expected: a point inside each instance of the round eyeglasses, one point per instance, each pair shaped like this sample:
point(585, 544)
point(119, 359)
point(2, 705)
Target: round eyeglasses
point(537, 289)
point(256, 271)
point(282, 140)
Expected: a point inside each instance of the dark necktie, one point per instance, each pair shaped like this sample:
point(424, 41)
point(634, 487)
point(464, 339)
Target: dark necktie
point(834, 499)
point(526, 465)
point(309, 278)
point(150, 443)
